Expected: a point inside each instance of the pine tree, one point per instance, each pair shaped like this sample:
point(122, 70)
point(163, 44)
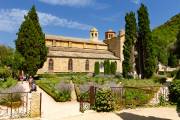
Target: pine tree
point(130, 38)
point(145, 45)
point(31, 43)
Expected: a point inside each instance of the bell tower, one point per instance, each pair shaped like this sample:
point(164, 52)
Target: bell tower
point(110, 34)
point(94, 34)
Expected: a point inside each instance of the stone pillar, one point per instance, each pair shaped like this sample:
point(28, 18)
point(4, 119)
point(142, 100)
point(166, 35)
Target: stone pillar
point(73, 93)
point(35, 110)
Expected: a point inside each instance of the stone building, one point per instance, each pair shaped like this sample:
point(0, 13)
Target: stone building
point(69, 54)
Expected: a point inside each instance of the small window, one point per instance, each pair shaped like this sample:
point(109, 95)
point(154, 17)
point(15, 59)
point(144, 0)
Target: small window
point(51, 65)
point(87, 65)
point(92, 34)
point(70, 64)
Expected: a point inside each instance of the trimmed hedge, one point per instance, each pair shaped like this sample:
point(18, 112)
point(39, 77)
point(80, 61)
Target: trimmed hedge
point(58, 96)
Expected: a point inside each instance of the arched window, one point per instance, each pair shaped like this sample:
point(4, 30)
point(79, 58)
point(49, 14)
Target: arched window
point(87, 65)
point(51, 65)
point(95, 34)
point(70, 64)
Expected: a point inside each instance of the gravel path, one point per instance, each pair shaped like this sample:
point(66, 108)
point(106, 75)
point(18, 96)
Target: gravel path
point(52, 110)
point(132, 114)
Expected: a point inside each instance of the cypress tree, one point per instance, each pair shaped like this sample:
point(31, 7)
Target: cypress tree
point(30, 43)
point(130, 38)
point(146, 53)
point(107, 69)
point(96, 68)
point(43, 49)
point(113, 68)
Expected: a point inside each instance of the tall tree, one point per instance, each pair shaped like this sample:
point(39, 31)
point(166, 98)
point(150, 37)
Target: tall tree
point(130, 38)
point(145, 45)
point(177, 45)
point(43, 49)
point(31, 43)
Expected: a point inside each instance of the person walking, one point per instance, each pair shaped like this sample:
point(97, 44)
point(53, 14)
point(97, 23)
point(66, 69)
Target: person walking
point(30, 82)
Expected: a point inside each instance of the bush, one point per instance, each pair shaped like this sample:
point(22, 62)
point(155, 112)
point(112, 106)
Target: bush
point(104, 101)
point(160, 80)
point(63, 96)
point(178, 104)
point(5, 73)
point(8, 83)
point(162, 100)
point(136, 97)
point(178, 74)
point(57, 95)
point(174, 91)
point(11, 100)
point(96, 68)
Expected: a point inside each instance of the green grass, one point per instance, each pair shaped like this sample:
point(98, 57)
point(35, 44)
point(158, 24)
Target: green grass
point(8, 83)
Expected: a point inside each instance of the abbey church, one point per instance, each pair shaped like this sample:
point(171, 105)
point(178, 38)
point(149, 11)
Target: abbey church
point(69, 54)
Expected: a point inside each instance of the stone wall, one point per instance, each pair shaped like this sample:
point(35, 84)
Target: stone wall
point(61, 65)
point(84, 45)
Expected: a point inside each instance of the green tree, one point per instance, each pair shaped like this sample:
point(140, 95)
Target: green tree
point(130, 38)
point(107, 69)
point(172, 60)
point(5, 52)
point(96, 68)
point(177, 45)
point(145, 45)
point(43, 49)
point(31, 43)
point(113, 67)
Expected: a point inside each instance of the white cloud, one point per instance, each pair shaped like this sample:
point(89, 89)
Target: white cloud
point(75, 3)
point(10, 20)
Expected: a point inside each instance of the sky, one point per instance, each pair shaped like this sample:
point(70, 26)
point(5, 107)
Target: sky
point(74, 18)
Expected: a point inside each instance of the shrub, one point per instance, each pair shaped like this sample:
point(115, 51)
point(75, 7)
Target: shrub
point(8, 83)
point(5, 73)
point(178, 74)
point(160, 80)
point(162, 100)
point(178, 104)
point(136, 97)
point(119, 76)
point(58, 95)
point(63, 96)
point(174, 91)
point(104, 101)
point(96, 68)
point(11, 100)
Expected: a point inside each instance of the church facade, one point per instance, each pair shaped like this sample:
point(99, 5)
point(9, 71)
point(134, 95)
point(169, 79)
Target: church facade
point(68, 54)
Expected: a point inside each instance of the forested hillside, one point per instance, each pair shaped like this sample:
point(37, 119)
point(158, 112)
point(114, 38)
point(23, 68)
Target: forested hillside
point(164, 36)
